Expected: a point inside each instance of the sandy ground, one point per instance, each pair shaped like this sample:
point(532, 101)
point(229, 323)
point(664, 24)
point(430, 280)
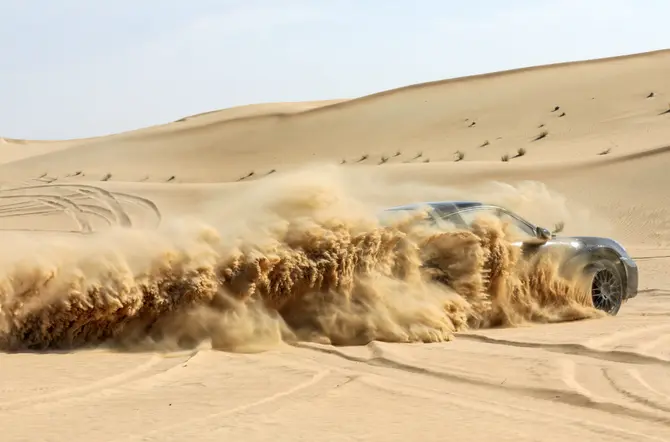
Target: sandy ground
point(586, 143)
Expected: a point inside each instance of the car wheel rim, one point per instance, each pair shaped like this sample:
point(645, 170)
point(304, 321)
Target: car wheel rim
point(606, 290)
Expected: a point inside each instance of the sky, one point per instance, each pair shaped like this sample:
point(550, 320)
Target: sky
point(79, 68)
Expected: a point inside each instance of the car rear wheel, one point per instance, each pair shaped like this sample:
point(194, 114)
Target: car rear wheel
point(607, 287)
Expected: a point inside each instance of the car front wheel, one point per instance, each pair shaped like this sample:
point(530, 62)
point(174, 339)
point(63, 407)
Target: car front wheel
point(607, 287)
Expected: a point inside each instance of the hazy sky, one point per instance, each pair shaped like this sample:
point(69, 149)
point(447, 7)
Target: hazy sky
point(76, 68)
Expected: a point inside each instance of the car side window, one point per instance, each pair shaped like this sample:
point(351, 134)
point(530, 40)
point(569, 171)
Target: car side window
point(469, 216)
point(392, 216)
point(449, 222)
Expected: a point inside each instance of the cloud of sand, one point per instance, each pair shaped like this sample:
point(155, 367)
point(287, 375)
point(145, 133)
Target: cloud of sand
point(301, 256)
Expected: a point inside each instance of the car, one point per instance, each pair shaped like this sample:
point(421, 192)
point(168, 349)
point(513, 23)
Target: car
point(612, 272)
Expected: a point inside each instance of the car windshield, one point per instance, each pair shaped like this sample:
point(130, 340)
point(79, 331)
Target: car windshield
point(430, 217)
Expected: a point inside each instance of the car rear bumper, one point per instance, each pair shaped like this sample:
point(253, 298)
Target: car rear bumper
point(632, 277)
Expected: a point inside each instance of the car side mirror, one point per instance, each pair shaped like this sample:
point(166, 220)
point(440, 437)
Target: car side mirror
point(559, 227)
point(542, 233)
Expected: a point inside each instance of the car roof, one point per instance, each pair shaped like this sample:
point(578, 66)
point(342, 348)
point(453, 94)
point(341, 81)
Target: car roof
point(448, 208)
point(442, 206)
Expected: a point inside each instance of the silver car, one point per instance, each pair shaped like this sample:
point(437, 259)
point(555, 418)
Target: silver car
point(613, 273)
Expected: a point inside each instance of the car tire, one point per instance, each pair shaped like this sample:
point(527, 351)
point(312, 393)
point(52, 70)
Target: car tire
point(607, 286)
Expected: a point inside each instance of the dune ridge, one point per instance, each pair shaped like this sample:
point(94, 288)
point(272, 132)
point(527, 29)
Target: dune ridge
point(431, 122)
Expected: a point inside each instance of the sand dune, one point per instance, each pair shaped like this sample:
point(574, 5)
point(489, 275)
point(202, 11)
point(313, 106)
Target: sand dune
point(150, 278)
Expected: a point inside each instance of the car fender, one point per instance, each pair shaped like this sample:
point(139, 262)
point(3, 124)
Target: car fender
point(587, 260)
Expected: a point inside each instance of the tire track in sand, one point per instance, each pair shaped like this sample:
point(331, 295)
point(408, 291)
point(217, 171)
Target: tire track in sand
point(611, 370)
point(60, 204)
point(580, 397)
point(149, 368)
point(571, 349)
point(459, 390)
point(506, 410)
point(83, 203)
point(315, 381)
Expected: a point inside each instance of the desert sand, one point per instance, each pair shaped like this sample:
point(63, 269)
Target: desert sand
point(132, 265)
